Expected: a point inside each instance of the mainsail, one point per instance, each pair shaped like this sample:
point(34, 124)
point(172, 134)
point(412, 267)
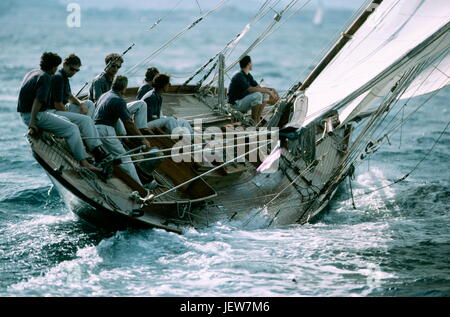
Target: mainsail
point(398, 36)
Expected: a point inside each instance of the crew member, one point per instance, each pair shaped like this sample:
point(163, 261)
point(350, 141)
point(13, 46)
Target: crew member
point(33, 102)
point(110, 108)
point(244, 93)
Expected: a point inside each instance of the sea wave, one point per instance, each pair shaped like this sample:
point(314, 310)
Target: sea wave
point(30, 196)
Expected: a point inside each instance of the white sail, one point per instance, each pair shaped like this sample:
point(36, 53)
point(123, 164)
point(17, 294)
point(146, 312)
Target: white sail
point(432, 78)
point(390, 42)
point(318, 15)
point(435, 77)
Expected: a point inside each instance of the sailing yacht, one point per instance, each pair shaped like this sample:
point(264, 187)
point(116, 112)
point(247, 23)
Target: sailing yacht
point(326, 126)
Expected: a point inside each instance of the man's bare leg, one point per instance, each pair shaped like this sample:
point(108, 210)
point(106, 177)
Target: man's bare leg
point(85, 164)
point(260, 111)
point(255, 113)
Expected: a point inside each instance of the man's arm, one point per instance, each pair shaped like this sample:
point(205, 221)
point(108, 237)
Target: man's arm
point(44, 84)
point(59, 106)
point(74, 100)
point(264, 90)
point(33, 129)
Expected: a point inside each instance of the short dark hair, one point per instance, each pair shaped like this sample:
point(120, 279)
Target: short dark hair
point(160, 81)
point(151, 73)
point(49, 60)
point(113, 57)
point(72, 59)
point(245, 61)
point(120, 83)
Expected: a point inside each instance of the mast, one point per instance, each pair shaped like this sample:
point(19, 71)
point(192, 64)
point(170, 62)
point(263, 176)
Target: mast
point(346, 36)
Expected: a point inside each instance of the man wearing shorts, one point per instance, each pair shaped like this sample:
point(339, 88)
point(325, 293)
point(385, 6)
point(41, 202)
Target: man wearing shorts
point(244, 93)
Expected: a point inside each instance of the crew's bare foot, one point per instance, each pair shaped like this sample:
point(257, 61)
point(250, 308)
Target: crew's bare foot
point(87, 165)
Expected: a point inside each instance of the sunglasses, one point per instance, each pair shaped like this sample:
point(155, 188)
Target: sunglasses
point(73, 69)
point(116, 66)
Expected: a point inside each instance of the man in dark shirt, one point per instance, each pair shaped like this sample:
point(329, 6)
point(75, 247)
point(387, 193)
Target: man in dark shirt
point(102, 84)
point(245, 93)
point(148, 82)
point(33, 102)
point(111, 108)
point(61, 95)
point(153, 100)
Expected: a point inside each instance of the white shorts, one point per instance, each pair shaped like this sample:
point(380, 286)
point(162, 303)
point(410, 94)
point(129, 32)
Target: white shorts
point(249, 101)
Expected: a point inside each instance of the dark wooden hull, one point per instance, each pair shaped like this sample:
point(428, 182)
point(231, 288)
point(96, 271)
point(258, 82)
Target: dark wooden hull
point(87, 209)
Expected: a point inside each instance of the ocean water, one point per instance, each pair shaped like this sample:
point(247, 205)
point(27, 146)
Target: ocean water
point(395, 243)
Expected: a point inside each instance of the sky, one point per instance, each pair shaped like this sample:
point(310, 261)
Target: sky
point(202, 4)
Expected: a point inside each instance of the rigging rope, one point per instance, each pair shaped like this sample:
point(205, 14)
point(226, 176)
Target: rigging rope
point(211, 142)
point(268, 31)
point(134, 69)
point(184, 153)
point(414, 168)
point(231, 44)
point(307, 169)
point(165, 16)
point(371, 125)
point(247, 133)
point(207, 172)
point(410, 98)
point(358, 144)
point(401, 87)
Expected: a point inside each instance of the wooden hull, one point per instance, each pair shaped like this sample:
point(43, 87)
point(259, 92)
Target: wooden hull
point(93, 213)
point(294, 194)
point(108, 213)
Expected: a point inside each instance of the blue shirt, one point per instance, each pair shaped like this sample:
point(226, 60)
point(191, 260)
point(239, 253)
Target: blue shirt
point(145, 88)
point(60, 88)
point(35, 85)
point(99, 86)
point(110, 108)
point(239, 85)
point(154, 104)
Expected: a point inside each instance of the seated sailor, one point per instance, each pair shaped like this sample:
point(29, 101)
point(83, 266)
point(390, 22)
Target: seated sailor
point(33, 103)
point(148, 82)
point(153, 100)
point(245, 93)
point(102, 84)
point(110, 108)
point(61, 94)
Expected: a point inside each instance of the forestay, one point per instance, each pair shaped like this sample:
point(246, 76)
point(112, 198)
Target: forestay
point(397, 36)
